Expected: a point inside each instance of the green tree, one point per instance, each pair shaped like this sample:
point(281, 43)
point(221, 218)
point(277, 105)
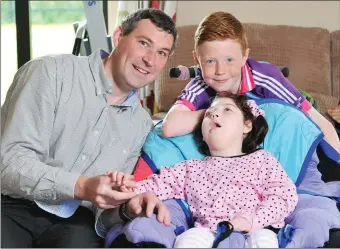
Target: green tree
point(46, 12)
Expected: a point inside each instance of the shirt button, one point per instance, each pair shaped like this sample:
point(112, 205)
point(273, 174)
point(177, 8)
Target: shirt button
point(95, 132)
point(83, 157)
point(124, 151)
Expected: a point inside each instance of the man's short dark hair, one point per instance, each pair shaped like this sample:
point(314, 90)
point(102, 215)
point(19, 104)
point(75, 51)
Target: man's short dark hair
point(157, 17)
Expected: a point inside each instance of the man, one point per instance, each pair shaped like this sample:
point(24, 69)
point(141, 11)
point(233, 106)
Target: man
point(65, 122)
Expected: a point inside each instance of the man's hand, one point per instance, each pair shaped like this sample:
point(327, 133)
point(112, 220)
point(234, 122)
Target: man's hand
point(136, 205)
point(101, 191)
point(241, 224)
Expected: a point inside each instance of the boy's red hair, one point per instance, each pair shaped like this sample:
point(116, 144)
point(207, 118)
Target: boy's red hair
point(220, 26)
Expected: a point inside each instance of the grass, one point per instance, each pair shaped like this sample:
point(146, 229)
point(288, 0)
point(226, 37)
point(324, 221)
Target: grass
point(46, 39)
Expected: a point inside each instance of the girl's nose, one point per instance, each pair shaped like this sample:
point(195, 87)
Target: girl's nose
point(215, 115)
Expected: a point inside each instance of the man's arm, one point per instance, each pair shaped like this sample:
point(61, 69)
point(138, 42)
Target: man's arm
point(106, 218)
point(28, 117)
point(327, 128)
point(180, 120)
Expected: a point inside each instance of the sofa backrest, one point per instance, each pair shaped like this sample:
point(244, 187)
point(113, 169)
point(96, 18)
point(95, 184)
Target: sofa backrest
point(306, 51)
point(335, 45)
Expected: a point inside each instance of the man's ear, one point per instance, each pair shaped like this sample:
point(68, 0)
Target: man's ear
point(245, 57)
point(117, 35)
point(194, 55)
point(248, 126)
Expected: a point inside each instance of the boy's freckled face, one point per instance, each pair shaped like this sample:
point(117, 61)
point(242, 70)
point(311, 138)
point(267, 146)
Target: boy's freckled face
point(221, 63)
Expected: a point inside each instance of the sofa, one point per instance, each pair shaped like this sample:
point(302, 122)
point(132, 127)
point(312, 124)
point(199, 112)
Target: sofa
point(311, 54)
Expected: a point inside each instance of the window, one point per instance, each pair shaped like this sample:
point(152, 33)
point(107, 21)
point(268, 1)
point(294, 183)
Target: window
point(9, 63)
point(52, 26)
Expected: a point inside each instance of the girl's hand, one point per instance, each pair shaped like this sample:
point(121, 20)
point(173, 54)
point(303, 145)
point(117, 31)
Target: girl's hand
point(151, 204)
point(241, 224)
point(123, 181)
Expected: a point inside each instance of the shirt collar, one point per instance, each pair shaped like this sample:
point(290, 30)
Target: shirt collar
point(247, 82)
point(102, 83)
point(131, 98)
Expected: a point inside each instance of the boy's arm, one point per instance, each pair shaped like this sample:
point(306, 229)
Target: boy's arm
point(327, 128)
point(188, 111)
point(278, 86)
point(180, 120)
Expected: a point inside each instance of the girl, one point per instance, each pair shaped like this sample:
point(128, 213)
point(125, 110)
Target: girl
point(221, 53)
point(237, 181)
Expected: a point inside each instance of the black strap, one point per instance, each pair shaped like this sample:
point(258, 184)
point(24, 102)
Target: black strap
point(122, 213)
point(224, 229)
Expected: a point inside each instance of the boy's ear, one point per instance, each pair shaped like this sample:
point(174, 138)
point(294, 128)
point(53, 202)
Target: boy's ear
point(194, 55)
point(245, 57)
point(248, 126)
point(117, 35)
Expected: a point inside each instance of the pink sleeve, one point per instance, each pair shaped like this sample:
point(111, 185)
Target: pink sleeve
point(279, 197)
point(169, 183)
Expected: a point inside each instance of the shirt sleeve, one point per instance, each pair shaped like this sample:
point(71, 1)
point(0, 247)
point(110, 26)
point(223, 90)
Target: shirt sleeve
point(276, 85)
point(138, 144)
point(27, 124)
point(195, 95)
point(169, 183)
point(279, 197)
point(131, 161)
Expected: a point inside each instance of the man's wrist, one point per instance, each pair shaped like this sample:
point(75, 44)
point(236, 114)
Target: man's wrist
point(123, 213)
point(79, 188)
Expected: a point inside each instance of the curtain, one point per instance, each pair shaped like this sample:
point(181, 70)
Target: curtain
point(170, 8)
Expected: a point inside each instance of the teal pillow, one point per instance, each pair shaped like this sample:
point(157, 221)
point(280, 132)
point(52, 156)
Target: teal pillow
point(292, 138)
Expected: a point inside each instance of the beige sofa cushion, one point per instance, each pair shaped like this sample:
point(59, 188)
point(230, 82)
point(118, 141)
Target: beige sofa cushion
point(306, 51)
point(335, 40)
point(325, 101)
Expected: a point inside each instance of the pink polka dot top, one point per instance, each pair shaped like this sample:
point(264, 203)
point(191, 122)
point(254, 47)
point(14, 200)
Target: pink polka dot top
point(253, 186)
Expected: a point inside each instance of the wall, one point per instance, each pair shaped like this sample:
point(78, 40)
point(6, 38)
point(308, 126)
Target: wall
point(112, 7)
point(325, 14)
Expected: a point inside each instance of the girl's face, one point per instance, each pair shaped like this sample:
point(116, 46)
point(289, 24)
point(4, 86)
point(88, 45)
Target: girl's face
point(221, 63)
point(224, 128)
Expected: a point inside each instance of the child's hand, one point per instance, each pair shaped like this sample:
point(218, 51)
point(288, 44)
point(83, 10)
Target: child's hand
point(123, 181)
point(241, 224)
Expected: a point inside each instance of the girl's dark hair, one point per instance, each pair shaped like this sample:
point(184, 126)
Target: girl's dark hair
point(253, 139)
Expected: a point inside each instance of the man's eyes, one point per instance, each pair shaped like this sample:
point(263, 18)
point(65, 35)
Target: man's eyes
point(144, 43)
point(162, 53)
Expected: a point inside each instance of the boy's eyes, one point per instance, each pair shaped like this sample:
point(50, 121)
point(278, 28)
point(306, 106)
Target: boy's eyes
point(210, 61)
point(214, 61)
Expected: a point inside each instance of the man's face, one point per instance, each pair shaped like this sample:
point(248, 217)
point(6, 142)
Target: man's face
point(140, 55)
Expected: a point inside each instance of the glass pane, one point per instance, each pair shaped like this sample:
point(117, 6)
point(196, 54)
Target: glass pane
point(9, 62)
point(52, 26)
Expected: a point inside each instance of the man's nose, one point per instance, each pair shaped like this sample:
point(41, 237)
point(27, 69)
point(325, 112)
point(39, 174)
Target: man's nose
point(149, 59)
